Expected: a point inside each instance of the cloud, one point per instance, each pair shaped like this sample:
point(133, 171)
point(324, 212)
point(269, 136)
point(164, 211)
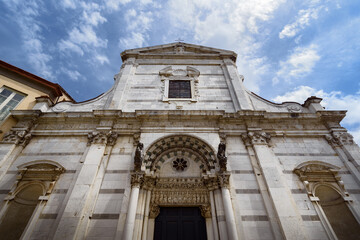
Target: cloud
point(102, 59)
point(300, 63)
point(113, 5)
point(334, 100)
point(68, 4)
point(26, 16)
point(303, 20)
point(138, 24)
point(73, 75)
point(93, 18)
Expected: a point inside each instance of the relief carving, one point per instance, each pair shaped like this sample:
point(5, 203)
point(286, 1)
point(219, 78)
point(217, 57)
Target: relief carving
point(223, 179)
point(205, 211)
point(257, 138)
point(154, 211)
point(21, 137)
point(221, 156)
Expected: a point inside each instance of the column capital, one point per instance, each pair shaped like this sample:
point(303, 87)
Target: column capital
point(97, 137)
point(149, 183)
point(211, 182)
point(223, 179)
point(137, 178)
point(205, 211)
point(255, 138)
point(154, 211)
point(18, 137)
point(336, 139)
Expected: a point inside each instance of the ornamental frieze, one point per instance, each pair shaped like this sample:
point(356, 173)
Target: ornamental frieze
point(256, 138)
point(96, 137)
point(165, 197)
point(179, 183)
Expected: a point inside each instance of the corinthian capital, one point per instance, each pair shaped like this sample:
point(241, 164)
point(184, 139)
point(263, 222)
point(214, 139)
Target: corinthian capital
point(256, 138)
point(96, 137)
point(21, 137)
point(340, 138)
point(223, 179)
point(137, 179)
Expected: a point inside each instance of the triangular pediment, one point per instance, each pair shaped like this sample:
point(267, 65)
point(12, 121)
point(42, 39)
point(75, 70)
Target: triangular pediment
point(178, 48)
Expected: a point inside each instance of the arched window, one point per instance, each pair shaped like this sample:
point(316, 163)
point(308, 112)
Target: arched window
point(331, 201)
point(27, 198)
point(19, 211)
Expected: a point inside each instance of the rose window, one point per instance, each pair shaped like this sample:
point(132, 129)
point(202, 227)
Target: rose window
point(180, 164)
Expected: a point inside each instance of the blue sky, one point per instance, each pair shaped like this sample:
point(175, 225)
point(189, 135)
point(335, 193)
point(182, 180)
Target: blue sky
point(287, 50)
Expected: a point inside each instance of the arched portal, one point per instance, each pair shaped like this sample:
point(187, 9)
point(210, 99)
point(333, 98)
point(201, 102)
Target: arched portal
point(180, 171)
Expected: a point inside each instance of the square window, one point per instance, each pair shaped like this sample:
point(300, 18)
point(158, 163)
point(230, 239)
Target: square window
point(9, 99)
point(179, 89)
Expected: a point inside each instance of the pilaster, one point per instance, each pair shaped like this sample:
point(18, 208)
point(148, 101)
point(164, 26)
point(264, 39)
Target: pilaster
point(290, 219)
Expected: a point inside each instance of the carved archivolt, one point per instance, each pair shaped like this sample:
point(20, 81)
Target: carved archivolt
point(191, 147)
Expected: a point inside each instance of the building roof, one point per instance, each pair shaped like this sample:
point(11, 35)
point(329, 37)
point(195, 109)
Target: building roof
point(55, 88)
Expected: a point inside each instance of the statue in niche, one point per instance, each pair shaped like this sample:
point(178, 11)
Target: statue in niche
point(138, 159)
point(221, 156)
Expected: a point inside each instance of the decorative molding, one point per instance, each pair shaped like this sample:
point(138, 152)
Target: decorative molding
point(211, 182)
point(18, 137)
point(154, 211)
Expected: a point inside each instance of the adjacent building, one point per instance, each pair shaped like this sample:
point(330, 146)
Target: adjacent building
point(19, 90)
point(178, 148)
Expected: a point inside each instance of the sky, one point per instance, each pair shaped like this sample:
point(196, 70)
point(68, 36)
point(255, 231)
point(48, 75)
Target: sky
point(287, 50)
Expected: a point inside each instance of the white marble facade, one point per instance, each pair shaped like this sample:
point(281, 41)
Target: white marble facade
point(270, 183)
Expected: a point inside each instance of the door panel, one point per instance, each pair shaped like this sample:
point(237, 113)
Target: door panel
point(183, 223)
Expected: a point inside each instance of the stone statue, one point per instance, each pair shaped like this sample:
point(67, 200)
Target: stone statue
point(138, 159)
point(221, 156)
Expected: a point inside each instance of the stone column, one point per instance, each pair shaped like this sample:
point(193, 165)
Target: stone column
point(284, 204)
point(211, 184)
point(79, 197)
point(220, 215)
point(206, 213)
point(154, 211)
point(229, 211)
point(137, 178)
point(149, 183)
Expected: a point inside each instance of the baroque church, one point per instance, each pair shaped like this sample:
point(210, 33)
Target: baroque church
point(177, 149)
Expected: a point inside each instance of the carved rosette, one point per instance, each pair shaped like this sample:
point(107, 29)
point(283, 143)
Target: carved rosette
point(154, 211)
point(205, 211)
point(223, 179)
point(108, 138)
point(339, 139)
point(21, 137)
point(137, 179)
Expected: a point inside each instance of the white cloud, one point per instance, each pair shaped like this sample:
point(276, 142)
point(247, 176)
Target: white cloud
point(138, 24)
point(73, 75)
point(303, 19)
point(102, 59)
point(114, 4)
point(334, 100)
point(94, 18)
point(26, 16)
point(68, 45)
point(68, 4)
point(300, 63)
point(135, 40)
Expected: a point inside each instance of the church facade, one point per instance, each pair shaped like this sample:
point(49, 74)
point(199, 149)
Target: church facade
point(179, 149)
